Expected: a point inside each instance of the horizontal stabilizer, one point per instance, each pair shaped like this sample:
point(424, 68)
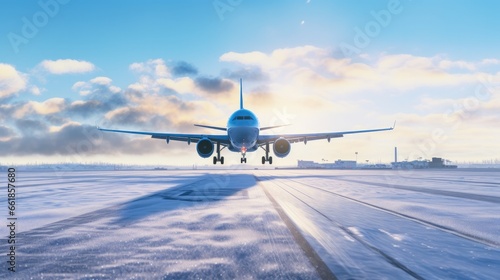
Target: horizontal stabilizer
point(211, 127)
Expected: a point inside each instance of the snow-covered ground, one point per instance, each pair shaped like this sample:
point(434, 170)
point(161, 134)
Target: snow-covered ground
point(248, 224)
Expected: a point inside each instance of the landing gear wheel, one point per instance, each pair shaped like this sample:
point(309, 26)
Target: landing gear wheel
point(267, 157)
point(218, 157)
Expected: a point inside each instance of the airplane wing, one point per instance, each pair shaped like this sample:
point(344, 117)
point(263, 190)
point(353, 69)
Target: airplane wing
point(294, 138)
point(194, 138)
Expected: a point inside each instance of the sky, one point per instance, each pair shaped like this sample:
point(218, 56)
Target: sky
point(69, 65)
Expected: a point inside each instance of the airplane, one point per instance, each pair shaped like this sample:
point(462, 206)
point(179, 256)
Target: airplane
point(243, 136)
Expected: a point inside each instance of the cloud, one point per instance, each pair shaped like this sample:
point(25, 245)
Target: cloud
point(31, 126)
point(66, 66)
point(305, 86)
point(135, 117)
point(320, 68)
point(96, 86)
point(70, 139)
point(49, 106)
point(249, 73)
point(11, 81)
point(105, 81)
point(214, 85)
point(488, 61)
point(87, 108)
point(156, 67)
point(179, 85)
point(284, 58)
point(183, 68)
point(5, 133)
point(36, 90)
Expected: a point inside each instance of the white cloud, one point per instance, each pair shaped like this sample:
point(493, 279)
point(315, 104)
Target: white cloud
point(180, 85)
point(66, 66)
point(78, 85)
point(95, 85)
point(448, 64)
point(156, 67)
point(36, 90)
point(49, 106)
point(279, 58)
point(11, 81)
point(54, 128)
point(490, 61)
point(319, 68)
point(105, 81)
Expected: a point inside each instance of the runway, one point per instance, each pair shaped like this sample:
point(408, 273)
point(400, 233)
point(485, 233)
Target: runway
point(245, 224)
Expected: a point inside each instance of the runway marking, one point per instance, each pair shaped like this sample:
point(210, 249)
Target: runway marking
point(353, 235)
point(316, 261)
point(471, 196)
point(464, 235)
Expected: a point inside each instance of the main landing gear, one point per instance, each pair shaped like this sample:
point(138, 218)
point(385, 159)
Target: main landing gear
point(218, 157)
point(267, 157)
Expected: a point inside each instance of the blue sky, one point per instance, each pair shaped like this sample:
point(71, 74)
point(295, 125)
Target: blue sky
point(423, 63)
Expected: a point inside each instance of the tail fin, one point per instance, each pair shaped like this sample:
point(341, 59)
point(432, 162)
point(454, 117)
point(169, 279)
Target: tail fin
point(241, 95)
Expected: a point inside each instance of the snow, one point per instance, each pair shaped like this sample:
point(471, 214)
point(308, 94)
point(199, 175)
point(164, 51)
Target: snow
point(140, 224)
point(370, 225)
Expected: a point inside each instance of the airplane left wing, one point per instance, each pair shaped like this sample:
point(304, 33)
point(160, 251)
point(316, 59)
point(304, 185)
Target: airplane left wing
point(294, 138)
point(194, 138)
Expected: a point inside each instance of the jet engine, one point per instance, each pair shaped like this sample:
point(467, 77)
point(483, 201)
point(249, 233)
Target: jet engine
point(281, 147)
point(205, 148)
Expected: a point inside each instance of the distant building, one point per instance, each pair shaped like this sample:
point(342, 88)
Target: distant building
point(375, 166)
point(422, 164)
point(307, 164)
point(415, 164)
point(439, 163)
point(338, 164)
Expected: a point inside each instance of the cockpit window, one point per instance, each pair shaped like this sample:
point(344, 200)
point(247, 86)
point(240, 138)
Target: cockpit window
point(243, 118)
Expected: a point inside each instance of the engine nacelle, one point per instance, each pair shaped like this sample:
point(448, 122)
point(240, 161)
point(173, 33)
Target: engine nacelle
point(205, 148)
point(281, 147)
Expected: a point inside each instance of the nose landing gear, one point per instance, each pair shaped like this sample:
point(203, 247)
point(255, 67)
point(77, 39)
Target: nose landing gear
point(243, 154)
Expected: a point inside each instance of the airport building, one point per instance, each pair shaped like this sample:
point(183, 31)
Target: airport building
point(419, 164)
point(338, 164)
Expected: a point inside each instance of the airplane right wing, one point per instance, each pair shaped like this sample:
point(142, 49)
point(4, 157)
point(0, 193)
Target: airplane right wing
point(304, 137)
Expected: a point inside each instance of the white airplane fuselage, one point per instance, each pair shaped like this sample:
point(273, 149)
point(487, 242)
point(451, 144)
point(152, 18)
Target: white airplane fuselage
point(243, 131)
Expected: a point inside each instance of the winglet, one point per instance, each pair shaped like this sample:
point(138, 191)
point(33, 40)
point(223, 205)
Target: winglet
point(241, 95)
point(394, 125)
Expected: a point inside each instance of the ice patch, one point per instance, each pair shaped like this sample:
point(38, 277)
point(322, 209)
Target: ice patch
point(355, 231)
point(397, 237)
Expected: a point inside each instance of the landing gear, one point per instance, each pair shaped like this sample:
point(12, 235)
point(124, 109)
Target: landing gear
point(270, 159)
point(218, 157)
point(267, 157)
point(243, 154)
